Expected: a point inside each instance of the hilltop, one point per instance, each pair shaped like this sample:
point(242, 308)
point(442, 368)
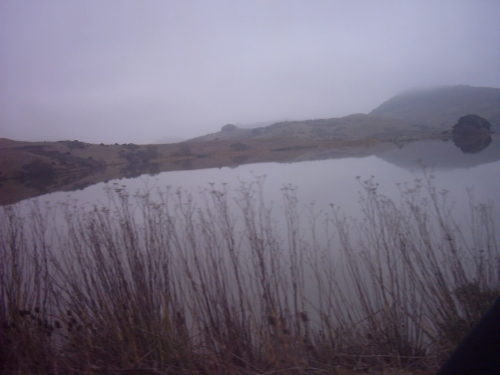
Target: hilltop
point(411, 114)
point(353, 127)
point(32, 168)
point(443, 106)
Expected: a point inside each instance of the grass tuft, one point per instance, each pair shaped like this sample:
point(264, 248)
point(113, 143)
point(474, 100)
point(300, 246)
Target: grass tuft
point(168, 285)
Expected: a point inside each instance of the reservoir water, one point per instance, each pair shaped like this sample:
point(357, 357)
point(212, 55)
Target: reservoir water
point(271, 248)
point(331, 181)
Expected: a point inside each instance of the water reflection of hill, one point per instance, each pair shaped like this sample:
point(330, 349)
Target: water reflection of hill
point(203, 155)
point(444, 155)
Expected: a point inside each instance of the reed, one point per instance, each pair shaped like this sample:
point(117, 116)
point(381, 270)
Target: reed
point(212, 285)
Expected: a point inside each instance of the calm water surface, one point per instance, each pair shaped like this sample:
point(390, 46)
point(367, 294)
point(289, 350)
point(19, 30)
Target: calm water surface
point(323, 183)
point(331, 181)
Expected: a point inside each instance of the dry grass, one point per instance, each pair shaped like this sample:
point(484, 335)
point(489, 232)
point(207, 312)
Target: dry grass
point(167, 285)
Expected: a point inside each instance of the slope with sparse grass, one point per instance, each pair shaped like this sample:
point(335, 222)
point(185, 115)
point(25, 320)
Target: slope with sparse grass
point(42, 167)
point(352, 127)
point(443, 106)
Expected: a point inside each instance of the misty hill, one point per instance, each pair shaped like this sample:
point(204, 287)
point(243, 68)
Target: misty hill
point(413, 113)
point(259, 124)
point(443, 106)
point(352, 127)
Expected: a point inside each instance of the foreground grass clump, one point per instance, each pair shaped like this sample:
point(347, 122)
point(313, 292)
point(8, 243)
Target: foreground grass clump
point(167, 285)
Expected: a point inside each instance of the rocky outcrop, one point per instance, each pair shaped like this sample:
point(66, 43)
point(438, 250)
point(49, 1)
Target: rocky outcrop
point(229, 128)
point(472, 125)
point(228, 131)
point(472, 134)
point(442, 106)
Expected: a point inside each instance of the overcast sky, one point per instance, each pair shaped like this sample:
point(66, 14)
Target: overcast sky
point(137, 71)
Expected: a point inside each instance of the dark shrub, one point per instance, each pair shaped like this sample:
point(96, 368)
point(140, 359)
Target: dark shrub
point(256, 132)
point(75, 144)
point(183, 150)
point(151, 152)
point(238, 146)
point(38, 168)
point(131, 146)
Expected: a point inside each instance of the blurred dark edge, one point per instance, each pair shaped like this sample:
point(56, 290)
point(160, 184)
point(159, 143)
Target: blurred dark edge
point(479, 352)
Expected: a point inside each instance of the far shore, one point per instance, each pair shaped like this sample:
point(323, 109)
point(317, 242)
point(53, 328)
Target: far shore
point(30, 169)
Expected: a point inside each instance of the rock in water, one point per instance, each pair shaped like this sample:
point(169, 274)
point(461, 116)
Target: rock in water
point(229, 128)
point(472, 134)
point(472, 125)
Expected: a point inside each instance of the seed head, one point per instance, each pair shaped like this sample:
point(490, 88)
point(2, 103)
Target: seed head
point(272, 320)
point(24, 312)
point(304, 317)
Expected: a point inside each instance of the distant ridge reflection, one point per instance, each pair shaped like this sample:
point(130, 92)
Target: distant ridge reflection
point(472, 145)
point(445, 155)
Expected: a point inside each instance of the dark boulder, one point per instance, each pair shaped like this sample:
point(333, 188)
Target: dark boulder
point(229, 128)
point(472, 125)
point(472, 134)
point(472, 145)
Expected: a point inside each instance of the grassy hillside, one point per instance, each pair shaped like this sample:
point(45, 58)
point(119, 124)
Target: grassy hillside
point(29, 169)
point(352, 127)
point(412, 113)
point(443, 106)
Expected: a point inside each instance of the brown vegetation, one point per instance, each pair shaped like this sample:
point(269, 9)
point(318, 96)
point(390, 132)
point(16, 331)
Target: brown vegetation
point(74, 167)
point(186, 288)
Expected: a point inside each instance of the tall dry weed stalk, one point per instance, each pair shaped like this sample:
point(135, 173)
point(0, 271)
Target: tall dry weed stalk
point(208, 284)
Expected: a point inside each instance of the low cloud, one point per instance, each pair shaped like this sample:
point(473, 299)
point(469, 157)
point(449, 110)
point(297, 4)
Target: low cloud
point(134, 71)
